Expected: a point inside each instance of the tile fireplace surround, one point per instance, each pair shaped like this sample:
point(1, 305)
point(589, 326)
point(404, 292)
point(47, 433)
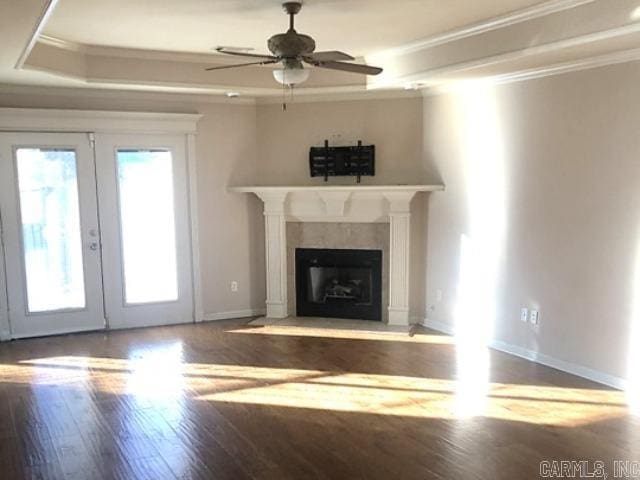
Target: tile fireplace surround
point(338, 204)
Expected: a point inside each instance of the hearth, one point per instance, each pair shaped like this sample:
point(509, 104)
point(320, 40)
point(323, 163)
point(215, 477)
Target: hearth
point(339, 283)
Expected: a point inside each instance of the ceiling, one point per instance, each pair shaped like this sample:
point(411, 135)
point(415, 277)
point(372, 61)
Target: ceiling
point(165, 45)
point(358, 27)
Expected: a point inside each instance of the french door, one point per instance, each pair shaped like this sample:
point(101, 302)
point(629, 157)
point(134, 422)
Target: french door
point(50, 233)
point(144, 215)
point(94, 237)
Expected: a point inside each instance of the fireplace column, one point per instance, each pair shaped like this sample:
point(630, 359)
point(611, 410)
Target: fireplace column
point(275, 253)
point(400, 226)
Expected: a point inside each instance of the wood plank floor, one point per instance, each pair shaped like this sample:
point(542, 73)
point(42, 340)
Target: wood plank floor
point(229, 401)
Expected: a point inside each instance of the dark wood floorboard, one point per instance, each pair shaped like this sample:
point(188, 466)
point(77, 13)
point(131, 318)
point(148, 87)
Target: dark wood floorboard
point(230, 401)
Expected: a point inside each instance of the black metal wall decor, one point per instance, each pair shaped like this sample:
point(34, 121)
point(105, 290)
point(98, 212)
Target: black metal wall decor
point(357, 161)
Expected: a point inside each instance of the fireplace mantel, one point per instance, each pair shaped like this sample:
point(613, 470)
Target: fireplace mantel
point(338, 203)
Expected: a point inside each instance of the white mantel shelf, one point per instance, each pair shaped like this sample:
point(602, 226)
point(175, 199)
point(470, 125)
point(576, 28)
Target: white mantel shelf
point(336, 188)
point(338, 203)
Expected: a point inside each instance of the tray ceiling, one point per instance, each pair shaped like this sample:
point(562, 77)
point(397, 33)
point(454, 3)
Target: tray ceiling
point(165, 46)
point(359, 27)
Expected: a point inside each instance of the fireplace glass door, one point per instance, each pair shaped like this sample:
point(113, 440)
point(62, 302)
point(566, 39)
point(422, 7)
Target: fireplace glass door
point(339, 283)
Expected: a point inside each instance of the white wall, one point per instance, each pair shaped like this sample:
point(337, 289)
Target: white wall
point(230, 225)
point(542, 209)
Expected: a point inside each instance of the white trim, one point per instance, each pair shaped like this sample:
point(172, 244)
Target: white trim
point(598, 61)
point(266, 189)
point(192, 168)
point(62, 44)
point(5, 326)
point(494, 23)
point(572, 66)
point(509, 56)
point(518, 16)
point(179, 96)
point(32, 119)
point(24, 119)
point(212, 58)
point(342, 203)
point(568, 367)
point(47, 10)
point(252, 312)
point(541, 358)
point(88, 91)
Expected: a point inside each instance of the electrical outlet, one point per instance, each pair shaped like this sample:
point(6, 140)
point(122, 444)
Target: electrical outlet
point(438, 295)
point(524, 314)
point(534, 317)
point(234, 286)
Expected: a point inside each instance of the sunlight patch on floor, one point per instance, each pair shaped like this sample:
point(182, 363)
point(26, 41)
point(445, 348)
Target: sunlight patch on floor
point(295, 331)
point(165, 377)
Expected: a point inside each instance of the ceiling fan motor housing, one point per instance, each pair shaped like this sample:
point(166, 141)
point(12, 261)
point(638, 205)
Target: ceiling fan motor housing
point(291, 44)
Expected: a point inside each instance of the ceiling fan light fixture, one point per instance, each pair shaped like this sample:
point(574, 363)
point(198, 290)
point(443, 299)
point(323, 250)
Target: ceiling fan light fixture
point(290, 76)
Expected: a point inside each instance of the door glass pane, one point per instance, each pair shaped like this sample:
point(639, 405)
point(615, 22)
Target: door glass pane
point(51, 239)
point(145, 186)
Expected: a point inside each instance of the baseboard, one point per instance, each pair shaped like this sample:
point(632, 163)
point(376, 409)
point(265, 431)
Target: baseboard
point(542, 359)
point(254, 312)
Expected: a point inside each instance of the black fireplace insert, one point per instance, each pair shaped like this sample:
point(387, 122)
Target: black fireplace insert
point(339, 283)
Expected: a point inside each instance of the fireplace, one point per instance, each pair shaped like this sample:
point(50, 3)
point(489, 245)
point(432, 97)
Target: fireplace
point(339, 283)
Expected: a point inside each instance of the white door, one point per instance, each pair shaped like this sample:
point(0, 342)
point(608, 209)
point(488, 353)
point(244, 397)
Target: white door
point(144, 219)
point(50, 233)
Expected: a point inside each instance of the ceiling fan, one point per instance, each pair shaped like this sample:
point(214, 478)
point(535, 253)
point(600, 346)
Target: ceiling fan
point(293, 49)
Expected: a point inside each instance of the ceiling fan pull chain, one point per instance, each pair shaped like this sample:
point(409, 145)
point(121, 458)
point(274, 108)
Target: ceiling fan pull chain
point(284, 92)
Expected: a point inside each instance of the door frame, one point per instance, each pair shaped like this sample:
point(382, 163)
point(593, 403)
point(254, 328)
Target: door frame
point(5, 328)
point(95, 121)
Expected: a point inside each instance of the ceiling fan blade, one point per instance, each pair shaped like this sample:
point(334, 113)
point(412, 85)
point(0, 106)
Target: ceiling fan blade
point(349, 67)
point(329, 56)
point(221, 67)
point(243, 54)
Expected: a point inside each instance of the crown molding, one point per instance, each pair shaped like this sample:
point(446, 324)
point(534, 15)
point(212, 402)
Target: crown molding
point(96, 93)
point(60, 43)
point(510, 56)
point(494, 23)
point(138, 53)
point(376, 88)
point(597, 61)
point(273, 93)
point(515, 17)
point(46, 12)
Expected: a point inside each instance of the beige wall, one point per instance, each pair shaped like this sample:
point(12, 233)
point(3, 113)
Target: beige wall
point(543, 184)
point(393, 125)
point(245, 143)
point(541, 210)
point(230, 225)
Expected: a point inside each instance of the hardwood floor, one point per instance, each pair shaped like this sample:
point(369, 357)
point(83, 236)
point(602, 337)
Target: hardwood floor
point(228, 401)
